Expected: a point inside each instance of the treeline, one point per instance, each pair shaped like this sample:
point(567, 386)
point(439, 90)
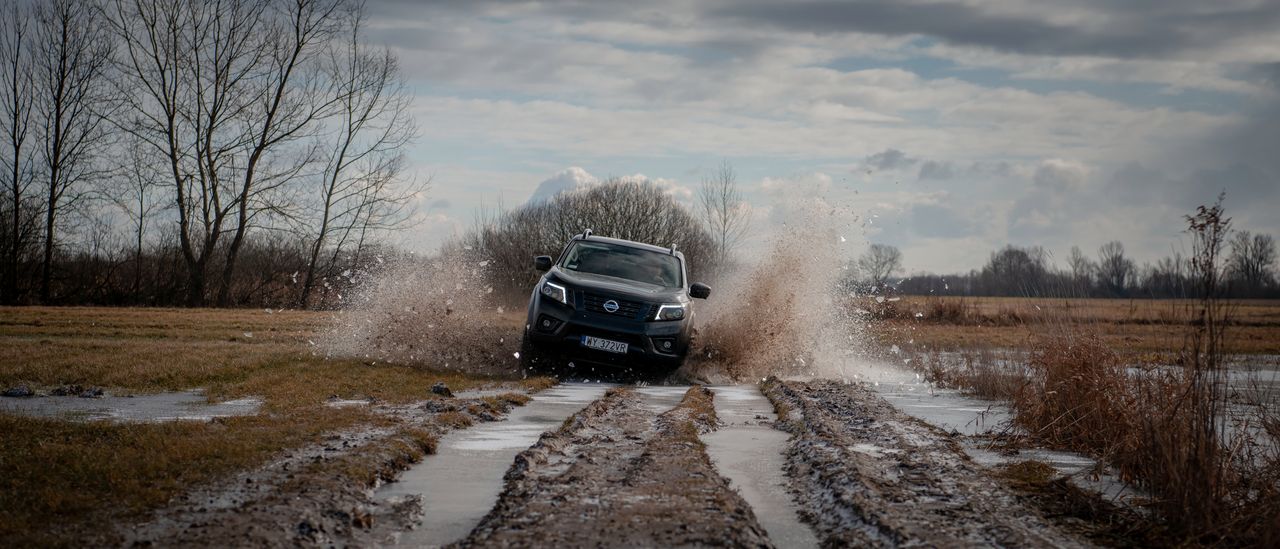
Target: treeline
point(1249, 272)
point(186, 152)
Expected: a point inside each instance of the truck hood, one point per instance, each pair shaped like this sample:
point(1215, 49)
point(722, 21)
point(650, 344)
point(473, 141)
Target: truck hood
point(640, 291)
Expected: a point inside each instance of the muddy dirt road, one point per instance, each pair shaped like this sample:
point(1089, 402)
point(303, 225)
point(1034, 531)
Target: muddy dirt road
point(591, 465)
point(668, 466)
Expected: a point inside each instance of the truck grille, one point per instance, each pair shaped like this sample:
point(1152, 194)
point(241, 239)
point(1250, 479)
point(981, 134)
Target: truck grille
point(629, 309)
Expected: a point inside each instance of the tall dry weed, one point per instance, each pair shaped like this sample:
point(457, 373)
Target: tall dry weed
point(1173, 431)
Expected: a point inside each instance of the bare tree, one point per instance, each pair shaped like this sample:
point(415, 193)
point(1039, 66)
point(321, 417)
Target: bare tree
point(288, 107)
point(71, 57)
point(135, 194)
point(358, 189)
point(1081, 267)
point(879, 263)
point(1168, 277)
point(16, 96)
point(186, 72)
point(225, 94)
point(727, 216)
point(1015, 270)
point(1115, 271)
point(1252, 258)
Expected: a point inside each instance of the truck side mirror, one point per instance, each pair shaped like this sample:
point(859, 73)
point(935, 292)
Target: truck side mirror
point(699, 290)
point(542, 262)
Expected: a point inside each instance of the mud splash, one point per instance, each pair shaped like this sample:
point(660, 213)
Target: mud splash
point(779, 316)
point(782, 315)
point(439, 311)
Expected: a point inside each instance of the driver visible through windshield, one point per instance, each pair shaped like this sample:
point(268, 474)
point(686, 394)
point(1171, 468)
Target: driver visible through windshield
point(624, 262)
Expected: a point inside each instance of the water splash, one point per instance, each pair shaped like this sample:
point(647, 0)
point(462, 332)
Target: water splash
point(784, 314)
point(436, 312)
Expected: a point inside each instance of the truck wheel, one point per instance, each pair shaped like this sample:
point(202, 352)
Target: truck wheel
point(534, 361)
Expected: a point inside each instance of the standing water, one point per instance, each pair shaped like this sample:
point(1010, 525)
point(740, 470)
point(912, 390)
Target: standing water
point(462, 481)
point(749, 452)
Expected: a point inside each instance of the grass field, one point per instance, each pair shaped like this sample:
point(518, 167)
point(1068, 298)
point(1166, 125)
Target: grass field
point(58, 475)
point(1130, 326)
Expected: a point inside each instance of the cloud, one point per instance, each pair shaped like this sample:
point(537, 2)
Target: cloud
point(439, 204)
point(575, 178)
point(1150, 28)
point(1075, 122)
point(571, 179)
point(936, 170)
point(889, 159)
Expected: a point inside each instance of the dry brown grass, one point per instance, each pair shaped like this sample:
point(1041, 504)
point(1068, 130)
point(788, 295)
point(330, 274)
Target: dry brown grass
point(1144, 326)
point(985, 373)
point(232, 353)
point(58, 475)
point(1178, 432)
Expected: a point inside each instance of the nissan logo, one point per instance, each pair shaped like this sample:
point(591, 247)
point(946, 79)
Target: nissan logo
point(611, 306)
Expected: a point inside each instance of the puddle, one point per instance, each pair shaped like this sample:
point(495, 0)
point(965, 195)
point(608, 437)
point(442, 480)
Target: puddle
point(185, 405)
point(952, 410)
point(749, 452)
point(944, 408)
point(460, 483)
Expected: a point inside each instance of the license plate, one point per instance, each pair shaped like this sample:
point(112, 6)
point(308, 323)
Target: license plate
point(604, 345)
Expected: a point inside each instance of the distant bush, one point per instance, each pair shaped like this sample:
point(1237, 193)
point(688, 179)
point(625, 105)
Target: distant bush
point(631, 210)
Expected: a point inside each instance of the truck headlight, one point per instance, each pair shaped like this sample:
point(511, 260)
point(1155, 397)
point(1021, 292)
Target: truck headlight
point(671, 311)
point(555, 291)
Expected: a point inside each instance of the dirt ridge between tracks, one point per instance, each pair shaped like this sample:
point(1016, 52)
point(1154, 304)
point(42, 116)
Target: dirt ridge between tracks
point(868, 475)
point(614, 474)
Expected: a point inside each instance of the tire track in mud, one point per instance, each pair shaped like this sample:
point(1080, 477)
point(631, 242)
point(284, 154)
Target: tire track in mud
point(614, 474)
point(866, 474)
point(288, 503)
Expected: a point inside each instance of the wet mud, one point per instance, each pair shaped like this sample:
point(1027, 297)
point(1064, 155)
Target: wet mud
point(618, 474)
point(308, 497)
point(458, 485)
point(866, 474)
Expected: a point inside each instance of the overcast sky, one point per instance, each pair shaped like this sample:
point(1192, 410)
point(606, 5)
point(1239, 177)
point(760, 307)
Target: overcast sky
point(953, 127)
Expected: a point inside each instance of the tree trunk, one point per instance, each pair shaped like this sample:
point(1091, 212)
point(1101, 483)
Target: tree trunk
point(195, 284)
point(46, 269)
point(228, 271)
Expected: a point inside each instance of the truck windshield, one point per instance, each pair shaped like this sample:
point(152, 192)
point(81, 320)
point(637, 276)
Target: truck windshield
point(624, 262)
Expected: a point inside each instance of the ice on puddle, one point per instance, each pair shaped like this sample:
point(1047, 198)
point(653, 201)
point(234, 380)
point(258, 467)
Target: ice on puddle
point(248, 334)
point(484, 263)
point(879, 299)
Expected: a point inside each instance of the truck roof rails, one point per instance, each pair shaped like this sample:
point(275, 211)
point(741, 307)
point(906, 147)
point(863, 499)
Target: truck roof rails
point(673, 248)
point(586, 234)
